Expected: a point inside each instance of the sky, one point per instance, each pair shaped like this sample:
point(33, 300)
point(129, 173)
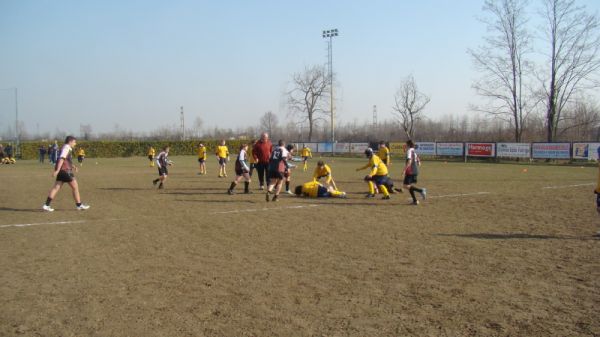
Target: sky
point(135, 63)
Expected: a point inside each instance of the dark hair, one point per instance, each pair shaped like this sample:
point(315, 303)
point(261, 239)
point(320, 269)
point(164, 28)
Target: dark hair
point(410, 143)
point(320, 163)
point(298, 190)
point(166, 147)
point(281, 142)
point(381, 142)
point(243, 145)
point(290, 147)
point(70, 139)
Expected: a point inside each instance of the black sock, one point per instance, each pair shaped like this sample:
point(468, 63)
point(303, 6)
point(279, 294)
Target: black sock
point(233, 183)
point(287, 186)
point(160, 185)
point(246, 186)
point(78, 204)
point(155, 180)
point(417, 189)
point(48, 201)
point(412, 193)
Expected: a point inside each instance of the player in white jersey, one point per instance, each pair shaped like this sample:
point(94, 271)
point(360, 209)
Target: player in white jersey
point(242, 170)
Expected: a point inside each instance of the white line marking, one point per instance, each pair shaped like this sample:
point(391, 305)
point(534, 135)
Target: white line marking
point(458, 195)
point(567, 186)
point(264, 209)
point(55, 223)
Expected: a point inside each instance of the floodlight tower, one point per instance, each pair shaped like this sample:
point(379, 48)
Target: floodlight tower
point(330, 34)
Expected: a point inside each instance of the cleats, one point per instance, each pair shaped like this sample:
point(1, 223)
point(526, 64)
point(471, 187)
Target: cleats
point(47, 208)
point(275, 198)
point(267, 196)
point(160, 187)
point(399, 190)
point(289, 192)
point(424, 193)
point(370, 195)
point(343, 195)
point(230, 192)
point(82, 207)
point(415, 203)
point(386, 197)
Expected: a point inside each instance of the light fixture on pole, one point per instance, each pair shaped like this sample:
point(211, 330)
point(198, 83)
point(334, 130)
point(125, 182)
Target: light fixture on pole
point(330, 34)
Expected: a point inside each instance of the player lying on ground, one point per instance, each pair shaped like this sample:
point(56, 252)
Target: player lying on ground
point(314, 189)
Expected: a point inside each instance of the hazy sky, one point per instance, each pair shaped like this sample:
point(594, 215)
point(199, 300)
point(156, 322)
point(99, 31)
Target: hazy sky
point(134, 63)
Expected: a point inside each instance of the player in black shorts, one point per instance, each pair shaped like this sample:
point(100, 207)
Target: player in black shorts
point(242, 170)
point(163, 163)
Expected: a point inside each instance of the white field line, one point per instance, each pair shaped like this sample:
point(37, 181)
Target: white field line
point(567, 186)
point(249, 210)
point(54, 223)
point(458, 195)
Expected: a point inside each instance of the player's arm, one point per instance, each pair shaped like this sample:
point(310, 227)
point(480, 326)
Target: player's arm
point(364, 167)
point(58, 166)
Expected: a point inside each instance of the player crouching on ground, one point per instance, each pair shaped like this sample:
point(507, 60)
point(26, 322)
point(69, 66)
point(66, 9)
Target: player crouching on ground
point(276, 171)
point(63, 171)
point(163, 162)
point(314, 189)
point(377, 176)
point(242, 170)
point(323, 171)
point(411, 171)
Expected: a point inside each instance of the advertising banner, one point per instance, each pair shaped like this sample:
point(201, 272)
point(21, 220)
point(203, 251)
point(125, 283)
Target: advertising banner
point(587, 151)
point(513, 150)
point(449, 149)
point(481, 149)
point(358, 147)
point(342, 147)
point(324, 147)
point(551, 150)
point(397, 148)
point(425, 148)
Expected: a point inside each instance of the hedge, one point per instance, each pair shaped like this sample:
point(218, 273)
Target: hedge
point(113, 149)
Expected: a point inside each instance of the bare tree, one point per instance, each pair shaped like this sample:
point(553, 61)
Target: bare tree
point(269, 122)
point(85, 131)
point(305, 99)
point(574, 41)
point(502, 62)
point(408, 105)
point(198, 122)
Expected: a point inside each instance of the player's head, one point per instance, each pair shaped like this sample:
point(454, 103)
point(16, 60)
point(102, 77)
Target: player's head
point(281, 142)
point(264, 136)
point(244, 146)
point(369, 152)
point(290, 148)
point(166, 148)
point(298, 190)
point(201, 144)
point(71, 140)
point(410, 144)
point(320, 163)
point(381, 143)
point(222, 142)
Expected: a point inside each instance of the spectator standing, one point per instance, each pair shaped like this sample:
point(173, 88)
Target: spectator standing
point(261, 152)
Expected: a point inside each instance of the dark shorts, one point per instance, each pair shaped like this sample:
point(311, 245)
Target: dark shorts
point(305, 158)
point(410, 179)
point(378, 180)
point(80, 159)
point(239, 172)
point(222, 161)
point(598, 202)
point(150, 157)
point(163, 171)
point(65, 177)
point(322, 192)
point(275, 174)
point(201, 160)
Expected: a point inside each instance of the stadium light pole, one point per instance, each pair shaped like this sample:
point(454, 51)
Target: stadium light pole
point(17, 139)
point(330, 34)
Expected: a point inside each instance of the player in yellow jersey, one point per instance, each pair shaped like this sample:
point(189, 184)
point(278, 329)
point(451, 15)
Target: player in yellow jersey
point(305, 153)
point(80, 155)
point(202, 158)
point(377, 176)
point(323, 171)
point(314, 189)
point(151, 154)
point(384, 154)
point(222, 155)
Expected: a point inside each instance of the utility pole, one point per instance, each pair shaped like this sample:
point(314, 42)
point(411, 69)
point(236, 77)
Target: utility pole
point(182, 119)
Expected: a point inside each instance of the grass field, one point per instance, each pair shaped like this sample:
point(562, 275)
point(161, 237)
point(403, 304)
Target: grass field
point(494, 251)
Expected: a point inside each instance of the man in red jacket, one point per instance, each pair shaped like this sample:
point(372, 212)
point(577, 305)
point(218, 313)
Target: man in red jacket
point(261, 153)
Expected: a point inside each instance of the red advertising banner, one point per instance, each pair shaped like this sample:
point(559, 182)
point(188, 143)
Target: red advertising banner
point(481, 149)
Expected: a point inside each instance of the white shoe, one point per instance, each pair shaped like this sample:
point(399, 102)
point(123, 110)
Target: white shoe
point(83, 207)
point(424, 193)
point(289, 192)
point(47, 208)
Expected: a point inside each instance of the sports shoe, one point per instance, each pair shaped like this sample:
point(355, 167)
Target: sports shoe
point(289, 192)
point(386, 197)
point(343, 195)
point(160, 187)
point(275, 198)
point(248, 192)
point(47, 208)
point(154, 182)
point(399, 190)
point(370, 195)
point(424, 193)
point(415, 203)
point(267, 196)
point(82, 207)
point(261, 188)
point(230, 192)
